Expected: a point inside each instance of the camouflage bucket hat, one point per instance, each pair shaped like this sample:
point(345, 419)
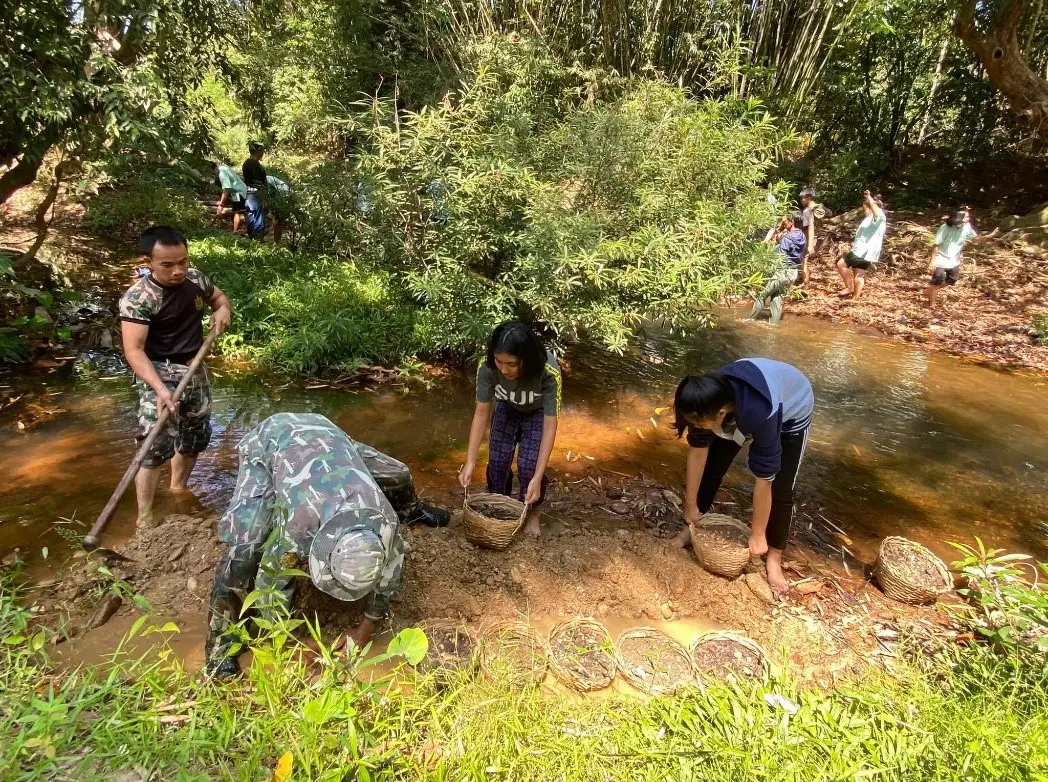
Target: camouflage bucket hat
point(347, 556)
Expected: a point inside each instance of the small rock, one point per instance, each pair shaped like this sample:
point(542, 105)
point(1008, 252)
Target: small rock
point(42, 314)
point(178, 552)
point(515, 575)
point(620, 507)
point(465, 545)
point(808, 586)
point(760, 587)
point(603, 609)
point(622, 534)
point(667, 612)
point(110, 605)
point(10, 559)
point(191, 584)
point(614, 494)
point(673, 497)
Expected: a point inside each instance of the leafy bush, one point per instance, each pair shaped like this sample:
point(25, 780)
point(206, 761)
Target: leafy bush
point(527, 196)
point(305, 314)
point(126, 205)
point(1004, 606)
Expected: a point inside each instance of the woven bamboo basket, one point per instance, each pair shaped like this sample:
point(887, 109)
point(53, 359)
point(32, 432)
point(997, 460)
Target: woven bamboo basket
point(722, 560)
point(452, 647)
point(490, 531)
point(587, 669)
point(894, 580)
point(740, 640)
point(513, 652)
point(644, 677)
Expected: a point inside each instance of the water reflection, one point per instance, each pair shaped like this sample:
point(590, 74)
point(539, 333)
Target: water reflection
point(903, 441)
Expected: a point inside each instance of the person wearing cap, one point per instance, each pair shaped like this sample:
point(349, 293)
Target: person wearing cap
point(257, 202)
point(308, 495)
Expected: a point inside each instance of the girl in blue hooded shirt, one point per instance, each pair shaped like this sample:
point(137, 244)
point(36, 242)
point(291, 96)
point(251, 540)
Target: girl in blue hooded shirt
point(767, 403)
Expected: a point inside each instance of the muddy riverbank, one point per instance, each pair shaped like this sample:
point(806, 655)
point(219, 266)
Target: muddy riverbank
point(987, 318)
point(905, 442)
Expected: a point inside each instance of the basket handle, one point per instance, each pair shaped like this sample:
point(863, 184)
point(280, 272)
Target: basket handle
point(523, 515)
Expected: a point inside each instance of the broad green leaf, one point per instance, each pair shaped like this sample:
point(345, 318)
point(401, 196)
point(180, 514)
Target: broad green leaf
point(411, 644)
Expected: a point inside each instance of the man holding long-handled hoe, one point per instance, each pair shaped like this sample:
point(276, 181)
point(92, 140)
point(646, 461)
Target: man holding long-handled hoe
point(161, 317)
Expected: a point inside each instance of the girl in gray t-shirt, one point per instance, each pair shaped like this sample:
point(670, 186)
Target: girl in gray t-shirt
point(521, 379)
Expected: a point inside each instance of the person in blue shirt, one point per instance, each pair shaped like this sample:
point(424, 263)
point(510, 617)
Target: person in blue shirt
point(757, 400)
point(792, 244)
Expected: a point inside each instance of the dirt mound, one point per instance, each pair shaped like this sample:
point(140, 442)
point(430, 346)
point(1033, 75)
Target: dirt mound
point(986, 317)
point(590, 560)
point(173, 562)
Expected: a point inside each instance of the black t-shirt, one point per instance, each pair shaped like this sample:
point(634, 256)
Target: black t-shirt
point(174, 315)
point(254, 174)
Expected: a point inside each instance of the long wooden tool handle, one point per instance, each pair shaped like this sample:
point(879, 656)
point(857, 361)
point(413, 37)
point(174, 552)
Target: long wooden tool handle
point(91, 541)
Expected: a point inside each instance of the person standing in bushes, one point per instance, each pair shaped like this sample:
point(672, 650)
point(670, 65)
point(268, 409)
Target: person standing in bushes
point(234, 193)
point(945, 264)
point(866, 247)
point(768, 404)
point(257, 201)
point(522, 379)
point(310, 497)
point(280, 204)
point(161, 316)
point(807, 225)
point(792, 244)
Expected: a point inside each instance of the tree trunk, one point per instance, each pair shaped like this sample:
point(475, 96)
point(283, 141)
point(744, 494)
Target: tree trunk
point(998, 49)
point(22, 174)
point(936, 80)
point(42, 223)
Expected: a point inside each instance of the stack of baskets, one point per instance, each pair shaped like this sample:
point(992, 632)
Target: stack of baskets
point(491, 520)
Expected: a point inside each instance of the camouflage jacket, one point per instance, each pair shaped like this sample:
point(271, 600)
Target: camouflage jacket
point(296, 472)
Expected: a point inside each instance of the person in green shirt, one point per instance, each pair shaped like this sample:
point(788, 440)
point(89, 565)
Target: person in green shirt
point(945, 264)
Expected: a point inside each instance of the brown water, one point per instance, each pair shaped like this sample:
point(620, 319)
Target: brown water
point(904, 442)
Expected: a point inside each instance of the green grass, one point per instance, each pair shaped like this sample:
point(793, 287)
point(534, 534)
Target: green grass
point(973, 717)
point(306, 314)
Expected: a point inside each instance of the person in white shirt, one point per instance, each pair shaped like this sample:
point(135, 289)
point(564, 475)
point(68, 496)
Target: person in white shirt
point(865, 249)
point(945, 263)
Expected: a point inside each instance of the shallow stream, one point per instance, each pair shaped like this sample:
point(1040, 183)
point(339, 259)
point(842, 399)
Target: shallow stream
point(904, 441)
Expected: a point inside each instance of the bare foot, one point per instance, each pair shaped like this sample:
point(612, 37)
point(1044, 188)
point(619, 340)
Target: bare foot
point(844, 294)
point(776, 579)
point(144, 522)
point(683, 540)
point(758, 546)
point(533, 529)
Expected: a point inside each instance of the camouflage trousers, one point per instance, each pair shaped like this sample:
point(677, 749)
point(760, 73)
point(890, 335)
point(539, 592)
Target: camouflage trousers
point(189, 432)
point(263, 566)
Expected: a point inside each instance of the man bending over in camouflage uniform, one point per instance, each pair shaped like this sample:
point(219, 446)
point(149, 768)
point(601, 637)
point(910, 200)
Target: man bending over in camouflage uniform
point(307, 492)
point(160, 322)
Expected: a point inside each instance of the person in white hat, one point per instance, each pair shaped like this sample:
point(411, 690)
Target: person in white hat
point(309, 495)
